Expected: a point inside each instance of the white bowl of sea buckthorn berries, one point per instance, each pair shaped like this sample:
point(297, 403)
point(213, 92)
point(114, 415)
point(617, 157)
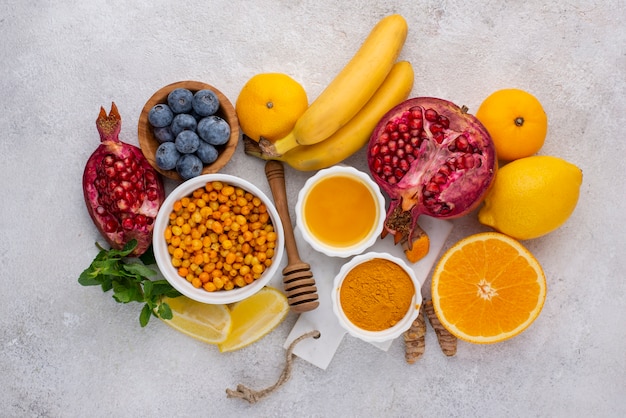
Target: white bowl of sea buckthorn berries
point(218, 239)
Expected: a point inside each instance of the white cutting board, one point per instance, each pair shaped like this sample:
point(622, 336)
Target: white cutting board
point(320, 351)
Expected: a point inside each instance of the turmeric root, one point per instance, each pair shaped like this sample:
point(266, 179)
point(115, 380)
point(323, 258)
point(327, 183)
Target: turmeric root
point(414, 338)
point(447, 341)
point(414, 250)
point(419, 247)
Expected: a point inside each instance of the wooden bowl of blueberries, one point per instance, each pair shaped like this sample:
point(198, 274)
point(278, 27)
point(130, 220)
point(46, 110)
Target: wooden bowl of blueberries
point(188, 128)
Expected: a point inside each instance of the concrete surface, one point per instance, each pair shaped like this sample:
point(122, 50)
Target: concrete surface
point(70, 351)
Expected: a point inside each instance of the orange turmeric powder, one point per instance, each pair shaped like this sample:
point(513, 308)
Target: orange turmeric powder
point(376, 294)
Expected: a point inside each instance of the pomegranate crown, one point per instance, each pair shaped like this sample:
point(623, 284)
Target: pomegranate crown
point(109, 126)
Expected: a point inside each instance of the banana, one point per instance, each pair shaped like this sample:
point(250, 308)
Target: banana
point(350, 90)
point(354, 134)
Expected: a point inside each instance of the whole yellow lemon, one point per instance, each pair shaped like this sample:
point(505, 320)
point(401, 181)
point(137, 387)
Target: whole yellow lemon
point(532, 196)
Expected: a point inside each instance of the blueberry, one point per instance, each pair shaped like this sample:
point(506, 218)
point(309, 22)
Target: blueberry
point(163, 134)
point(180, 100)
point(187, 142)
point(183, 122)
point(188, 166)
point(206, 152)
point(167, 155)
point(160, 115)
point(214, 130)
point(205, 102)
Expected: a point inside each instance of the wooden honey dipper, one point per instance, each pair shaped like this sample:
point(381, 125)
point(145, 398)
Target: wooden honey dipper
point(297, 276)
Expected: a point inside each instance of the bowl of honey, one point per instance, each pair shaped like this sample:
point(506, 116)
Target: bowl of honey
point(340, 211)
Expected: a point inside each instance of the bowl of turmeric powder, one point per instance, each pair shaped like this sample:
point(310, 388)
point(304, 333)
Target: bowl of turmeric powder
point(376, 297)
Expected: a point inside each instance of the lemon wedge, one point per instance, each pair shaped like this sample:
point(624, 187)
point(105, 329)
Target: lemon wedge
point(209, 323)
point(255, 317)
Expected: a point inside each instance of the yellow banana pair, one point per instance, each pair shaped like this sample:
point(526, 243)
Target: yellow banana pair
point(355, 84)
point(340, 120)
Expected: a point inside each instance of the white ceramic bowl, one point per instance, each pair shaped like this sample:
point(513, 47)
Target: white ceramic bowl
point(376, 336)
point(163, 258)
point(335, 250)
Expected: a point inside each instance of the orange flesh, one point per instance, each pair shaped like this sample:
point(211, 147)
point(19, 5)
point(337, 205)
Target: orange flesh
point(340, 211)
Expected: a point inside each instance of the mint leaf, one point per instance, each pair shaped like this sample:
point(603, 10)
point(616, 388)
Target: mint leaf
point(165, 311)
point(130, 281)
point(145, 315)
point(138, 269)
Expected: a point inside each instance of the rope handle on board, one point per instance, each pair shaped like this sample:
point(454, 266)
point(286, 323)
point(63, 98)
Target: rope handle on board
point(253, 396)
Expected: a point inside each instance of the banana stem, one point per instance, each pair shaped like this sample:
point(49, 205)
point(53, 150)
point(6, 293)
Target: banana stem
point(279, 147)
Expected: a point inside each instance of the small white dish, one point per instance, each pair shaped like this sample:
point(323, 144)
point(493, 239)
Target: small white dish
point(376, 336)
point(163, 257)
point(371, 231)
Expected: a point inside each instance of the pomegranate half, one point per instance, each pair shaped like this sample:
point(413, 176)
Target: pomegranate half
point(431, 158)
point(122, 191)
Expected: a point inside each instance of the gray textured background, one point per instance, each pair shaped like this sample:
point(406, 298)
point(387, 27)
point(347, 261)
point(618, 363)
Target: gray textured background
point(69, 351)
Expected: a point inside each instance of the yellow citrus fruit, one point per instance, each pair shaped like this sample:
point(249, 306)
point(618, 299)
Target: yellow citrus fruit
point(269, 105)
point(532, 196)
point(516, 122)
point(254, 317)
point(488, 288)
point(204, 322)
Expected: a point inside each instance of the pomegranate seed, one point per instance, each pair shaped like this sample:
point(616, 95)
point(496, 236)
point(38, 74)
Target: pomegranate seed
point(122, 205)
point(436, 128)
point(118, 192)
point(444, 121)
point(438, 137)
point(404, 165)
point(416, 112)
point(377, 165)
point(398, 173)
point(394, 136)
point(387, 159)
point(408, 148)
point(110, 172)
point(461, 143)
point(431, 115)
point(403, 127)
point(387, 170)
point(393, 146)
point(400, 153)
point(127, 224)
point(110, 225)
point(375, 150)
point(140, 220)
point(152, 194)
point(109, 160)
point(416, 124)
point(391, 127)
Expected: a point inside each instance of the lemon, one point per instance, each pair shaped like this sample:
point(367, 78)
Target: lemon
point(516, 122)
point(532, 196)
point(204, 322)
point(269, 105)
point(254, 317)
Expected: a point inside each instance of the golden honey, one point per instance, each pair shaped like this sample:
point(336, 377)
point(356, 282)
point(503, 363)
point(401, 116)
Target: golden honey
point(340, 210)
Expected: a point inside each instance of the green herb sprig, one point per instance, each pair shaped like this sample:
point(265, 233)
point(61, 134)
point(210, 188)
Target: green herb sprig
point(129, 278)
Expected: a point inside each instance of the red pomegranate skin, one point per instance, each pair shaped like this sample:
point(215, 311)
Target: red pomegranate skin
point(122, 191)
point(431, 158)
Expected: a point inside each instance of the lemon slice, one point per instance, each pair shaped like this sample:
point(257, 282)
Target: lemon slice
point(254, 317)
point(202, 321)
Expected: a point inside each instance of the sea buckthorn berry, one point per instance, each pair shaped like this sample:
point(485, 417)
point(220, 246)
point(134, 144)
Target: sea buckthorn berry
point(220, 237)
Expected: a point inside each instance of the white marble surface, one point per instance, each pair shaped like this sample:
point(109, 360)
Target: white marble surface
point(70, 351)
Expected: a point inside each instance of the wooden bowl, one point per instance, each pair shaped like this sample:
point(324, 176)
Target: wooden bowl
point(226, 111)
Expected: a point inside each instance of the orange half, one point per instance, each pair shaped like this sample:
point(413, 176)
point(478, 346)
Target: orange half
point(488, 288)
